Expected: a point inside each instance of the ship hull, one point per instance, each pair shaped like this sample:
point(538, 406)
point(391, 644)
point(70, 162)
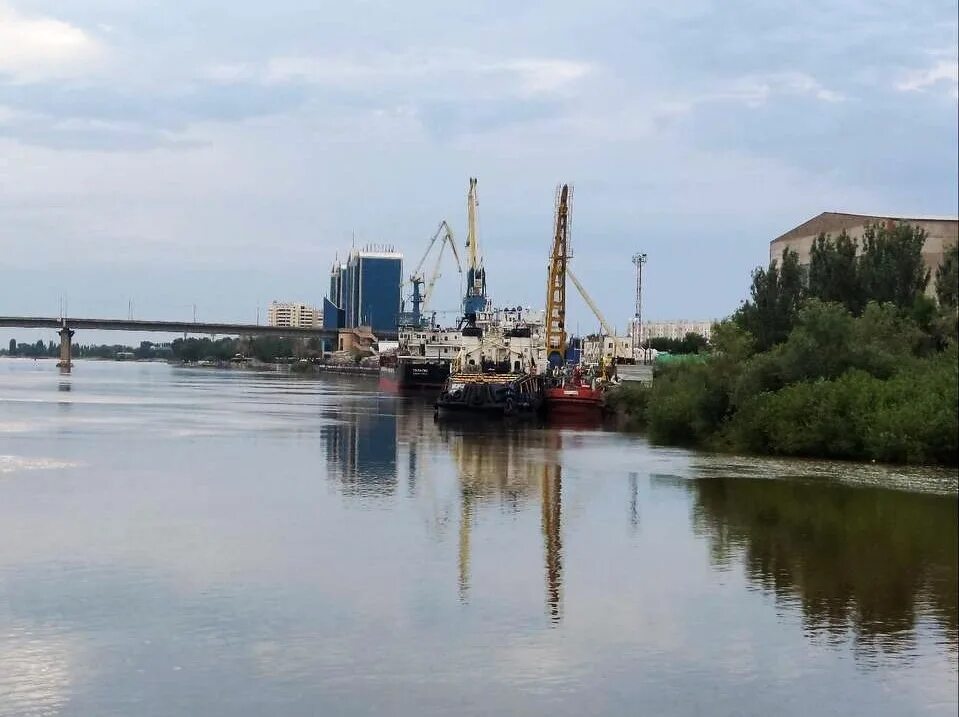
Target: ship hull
point(413, 373)
point(574, 401)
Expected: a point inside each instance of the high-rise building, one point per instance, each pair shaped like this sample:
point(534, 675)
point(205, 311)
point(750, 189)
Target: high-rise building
point(293, 315)
point(365, 291)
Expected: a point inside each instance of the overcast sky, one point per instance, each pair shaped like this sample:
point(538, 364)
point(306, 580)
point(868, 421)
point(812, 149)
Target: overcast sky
point(221, 153)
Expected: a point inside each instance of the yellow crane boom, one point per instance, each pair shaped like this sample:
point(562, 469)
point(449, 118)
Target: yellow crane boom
point(595, 309)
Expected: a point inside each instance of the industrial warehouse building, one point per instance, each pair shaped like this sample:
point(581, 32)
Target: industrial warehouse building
point(941, 234)
point(365, 291)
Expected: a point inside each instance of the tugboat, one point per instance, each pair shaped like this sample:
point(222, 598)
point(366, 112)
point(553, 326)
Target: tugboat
point(496, 375)
point(577, 395)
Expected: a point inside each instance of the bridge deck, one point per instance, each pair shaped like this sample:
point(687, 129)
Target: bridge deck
point(173, 327)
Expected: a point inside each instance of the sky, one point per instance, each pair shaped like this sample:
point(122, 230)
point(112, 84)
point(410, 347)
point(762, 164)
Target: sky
point(156, 156)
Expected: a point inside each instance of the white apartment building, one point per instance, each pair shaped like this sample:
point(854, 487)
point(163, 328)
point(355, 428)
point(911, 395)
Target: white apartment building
point(294, 315)
point(676, 329)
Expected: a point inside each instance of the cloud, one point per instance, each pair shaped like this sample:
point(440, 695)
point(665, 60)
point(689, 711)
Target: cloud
point(36, 48)
point(472, 73)
point(757, 90)
point(942, 73)
point(100, 117)
point(545, 75)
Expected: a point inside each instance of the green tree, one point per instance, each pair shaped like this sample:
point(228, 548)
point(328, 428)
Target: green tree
point(13, 347)
point(947, 278)
point(729, 339)
point(691, 343)
point(891, 267)
point(834, 273)
point(776, 294)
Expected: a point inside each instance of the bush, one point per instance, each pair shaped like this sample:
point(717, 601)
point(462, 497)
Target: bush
point(688, 402)
point(910, 417)
point(629, 401)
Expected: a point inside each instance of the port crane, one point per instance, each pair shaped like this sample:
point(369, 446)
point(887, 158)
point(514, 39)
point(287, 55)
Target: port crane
point(421, 296)
point(559, 269)
point(556, 288)
point(595, 309)
point(475, 299)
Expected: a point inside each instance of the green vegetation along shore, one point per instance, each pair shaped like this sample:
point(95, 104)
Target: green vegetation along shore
point(850, 360)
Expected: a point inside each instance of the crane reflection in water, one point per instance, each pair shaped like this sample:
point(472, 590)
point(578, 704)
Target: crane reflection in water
point(511, 467)
point(496, 465)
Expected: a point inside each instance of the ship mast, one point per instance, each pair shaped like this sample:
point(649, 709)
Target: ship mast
point(556, 289)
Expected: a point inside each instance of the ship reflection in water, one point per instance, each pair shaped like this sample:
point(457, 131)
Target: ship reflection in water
point(234, 543)
point(858, 561)
point(509, 467)
point(496, 465)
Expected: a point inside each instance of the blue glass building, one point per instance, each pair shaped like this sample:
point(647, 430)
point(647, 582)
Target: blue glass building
point(367, 290)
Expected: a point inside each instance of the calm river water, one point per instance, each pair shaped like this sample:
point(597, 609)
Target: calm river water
point(200, 542)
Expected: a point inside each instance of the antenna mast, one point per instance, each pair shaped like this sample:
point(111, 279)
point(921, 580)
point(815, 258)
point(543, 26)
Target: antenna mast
point(639, 260)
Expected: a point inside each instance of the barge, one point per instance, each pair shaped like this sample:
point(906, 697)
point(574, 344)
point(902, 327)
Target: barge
point(496, 394)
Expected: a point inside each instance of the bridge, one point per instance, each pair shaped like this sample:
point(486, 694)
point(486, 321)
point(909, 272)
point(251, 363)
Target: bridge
point(66, 326)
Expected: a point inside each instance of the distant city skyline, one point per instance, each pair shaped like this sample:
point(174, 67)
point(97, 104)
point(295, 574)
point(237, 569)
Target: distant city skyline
point(184, 156)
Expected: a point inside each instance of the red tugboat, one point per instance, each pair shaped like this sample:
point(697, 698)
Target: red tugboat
point(575, 397)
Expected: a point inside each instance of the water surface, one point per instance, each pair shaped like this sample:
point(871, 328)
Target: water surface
point(187, 541)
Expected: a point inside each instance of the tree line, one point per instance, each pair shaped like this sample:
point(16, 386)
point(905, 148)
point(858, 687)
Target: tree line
point(267, 349)
point(41, 349)
point(848, 358)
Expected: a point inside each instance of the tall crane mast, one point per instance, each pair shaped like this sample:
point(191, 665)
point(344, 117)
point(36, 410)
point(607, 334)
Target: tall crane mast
point(475, 299)
point(556, 288)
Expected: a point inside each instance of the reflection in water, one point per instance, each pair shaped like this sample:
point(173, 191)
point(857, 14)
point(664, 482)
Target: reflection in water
point(510, 466)
point(551, 503)
point(869, 560)
point(361, 453)
point(496, 464)
point(142, 573)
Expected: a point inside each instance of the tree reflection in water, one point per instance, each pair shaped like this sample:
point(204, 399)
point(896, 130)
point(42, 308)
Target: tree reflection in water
point(862, 559)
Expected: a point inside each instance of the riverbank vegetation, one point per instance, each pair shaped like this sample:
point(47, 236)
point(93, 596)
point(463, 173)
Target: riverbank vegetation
point(51, 349)
point(849, 360)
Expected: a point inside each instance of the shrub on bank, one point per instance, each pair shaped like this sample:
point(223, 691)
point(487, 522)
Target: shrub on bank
point(871, 387)
point(629, 402)
point(909, 418)
point(687, 403)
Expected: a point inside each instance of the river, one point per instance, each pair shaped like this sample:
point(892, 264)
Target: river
point(200, 542)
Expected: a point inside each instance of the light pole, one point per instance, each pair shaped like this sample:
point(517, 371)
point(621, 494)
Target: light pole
point(638, 260)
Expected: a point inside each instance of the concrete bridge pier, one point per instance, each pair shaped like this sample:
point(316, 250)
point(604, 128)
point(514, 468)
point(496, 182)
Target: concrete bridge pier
point(66, 348)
